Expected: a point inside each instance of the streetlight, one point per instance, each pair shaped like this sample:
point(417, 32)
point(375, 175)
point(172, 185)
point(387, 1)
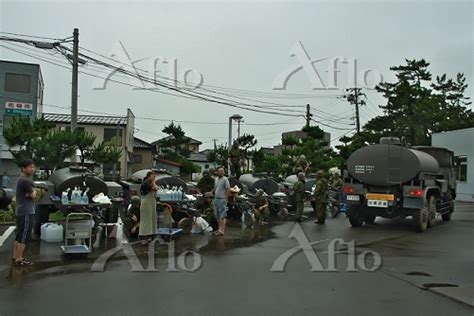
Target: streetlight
point(235, 117)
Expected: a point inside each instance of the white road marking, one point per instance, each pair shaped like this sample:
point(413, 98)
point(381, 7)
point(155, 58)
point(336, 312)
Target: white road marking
point(6, 234)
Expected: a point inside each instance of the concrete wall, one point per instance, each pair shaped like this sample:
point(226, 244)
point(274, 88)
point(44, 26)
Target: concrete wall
point(147, 159)
point(98, 132)
point(461, 142)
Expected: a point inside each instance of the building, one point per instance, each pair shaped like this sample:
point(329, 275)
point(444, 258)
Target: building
point(142, 155)
point(168, 165)
point(298, 135)
point(117, 130)
point(21, 94)
point(461, 142)
point(192, 145)
point(200, 159)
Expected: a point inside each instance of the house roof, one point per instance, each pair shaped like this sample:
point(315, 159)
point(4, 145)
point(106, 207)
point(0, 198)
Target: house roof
point(86, 119)
point(139, 143)
point(169, 162)
point(191, 140)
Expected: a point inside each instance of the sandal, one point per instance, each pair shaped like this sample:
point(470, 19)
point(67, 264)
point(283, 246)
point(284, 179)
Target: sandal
point(218, 233)
point(23, 263)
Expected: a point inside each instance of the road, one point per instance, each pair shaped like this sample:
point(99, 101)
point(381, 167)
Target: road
point(427, 273)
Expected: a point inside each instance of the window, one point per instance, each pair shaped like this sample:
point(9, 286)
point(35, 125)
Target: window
point(461, 168)
point(17, 83)
point(108, 171)
point(110, 136)
point(137, 158)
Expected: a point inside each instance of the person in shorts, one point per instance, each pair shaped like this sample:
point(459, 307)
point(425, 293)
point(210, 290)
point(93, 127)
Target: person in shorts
point(25, 212)
point(221, 193)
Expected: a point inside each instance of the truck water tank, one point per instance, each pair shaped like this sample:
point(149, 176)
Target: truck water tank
point(387, 165)
point(255, 182)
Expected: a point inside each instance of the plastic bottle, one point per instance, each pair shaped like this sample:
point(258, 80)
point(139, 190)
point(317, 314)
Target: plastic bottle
point(65, 197)
point(180, 193)
point(85, 197)
point(76, 196)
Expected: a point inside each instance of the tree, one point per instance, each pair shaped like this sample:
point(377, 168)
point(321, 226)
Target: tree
point(51, 151)
point(22, 133)
point(85, 143)
point(175, 142)
point(105, 153)
point(247, 142)
point(416, 108)
point(219, 155)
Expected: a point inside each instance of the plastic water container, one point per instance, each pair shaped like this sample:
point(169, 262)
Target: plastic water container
point(52, 232)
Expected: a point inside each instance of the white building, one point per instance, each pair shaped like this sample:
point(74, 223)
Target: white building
point(461, 142)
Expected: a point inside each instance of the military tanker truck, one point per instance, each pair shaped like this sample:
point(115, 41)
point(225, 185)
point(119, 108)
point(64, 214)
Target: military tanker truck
point(394, 180)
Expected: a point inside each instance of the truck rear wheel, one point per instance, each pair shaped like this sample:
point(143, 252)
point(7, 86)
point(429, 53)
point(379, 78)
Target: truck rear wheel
point(431, 205)
point(420, 219)
point(447, 216)
point(355, 216)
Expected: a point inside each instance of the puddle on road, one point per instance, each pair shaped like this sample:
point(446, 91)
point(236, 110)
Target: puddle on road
point(433, 285)
point(416, 273)
point(49, 260)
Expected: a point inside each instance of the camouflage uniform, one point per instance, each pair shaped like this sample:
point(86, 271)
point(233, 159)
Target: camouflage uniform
point(320, 199)
point(299, 191)
point(234, 155)
point(206, 184)
point(263, 214)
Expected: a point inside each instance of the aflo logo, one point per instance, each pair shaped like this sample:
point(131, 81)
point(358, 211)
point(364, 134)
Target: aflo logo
point(162, 72)
point(354, 263)
point(174, 262)
point(366, 78)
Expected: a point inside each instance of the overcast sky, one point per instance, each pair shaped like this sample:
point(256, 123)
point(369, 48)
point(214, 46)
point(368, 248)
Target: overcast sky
point(241, 45)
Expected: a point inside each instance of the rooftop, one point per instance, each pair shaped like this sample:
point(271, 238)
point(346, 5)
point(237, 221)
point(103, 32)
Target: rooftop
point(86, 119)
point(139, 143)
point(191, 140)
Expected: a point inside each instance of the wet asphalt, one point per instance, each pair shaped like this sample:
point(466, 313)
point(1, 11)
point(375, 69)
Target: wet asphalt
point(234, 276)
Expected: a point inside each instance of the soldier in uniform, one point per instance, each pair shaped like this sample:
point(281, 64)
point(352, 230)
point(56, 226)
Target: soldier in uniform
point(302, 165)
point(131, 219)
point(207, 209)
point(320, 197)
point(299, 191)
point(234, 156)
point(206, 184)
point(261, 210)
point(336, 182)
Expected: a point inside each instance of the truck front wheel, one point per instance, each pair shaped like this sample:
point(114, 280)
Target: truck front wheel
point(420, 219)
point(355, 216)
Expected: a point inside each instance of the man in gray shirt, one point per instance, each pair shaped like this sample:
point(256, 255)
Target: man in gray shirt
point(25, 212)
point(221, 192)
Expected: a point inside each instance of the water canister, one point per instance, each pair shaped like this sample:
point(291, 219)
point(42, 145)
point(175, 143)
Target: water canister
point(52, 232)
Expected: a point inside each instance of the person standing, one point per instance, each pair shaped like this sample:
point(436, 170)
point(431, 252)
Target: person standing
point(299, 191)
point(234, 156)
point(221, 192)
point(5, 181)
point(206, 183)
point(320, 197)
point(25, 212)
point(148, 216)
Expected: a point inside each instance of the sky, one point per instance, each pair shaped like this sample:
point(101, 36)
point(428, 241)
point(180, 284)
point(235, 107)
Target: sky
point(250, 46)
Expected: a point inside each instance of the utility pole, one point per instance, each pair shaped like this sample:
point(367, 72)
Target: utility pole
point(353, 98)
point(308, 115)
point(75, 66)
